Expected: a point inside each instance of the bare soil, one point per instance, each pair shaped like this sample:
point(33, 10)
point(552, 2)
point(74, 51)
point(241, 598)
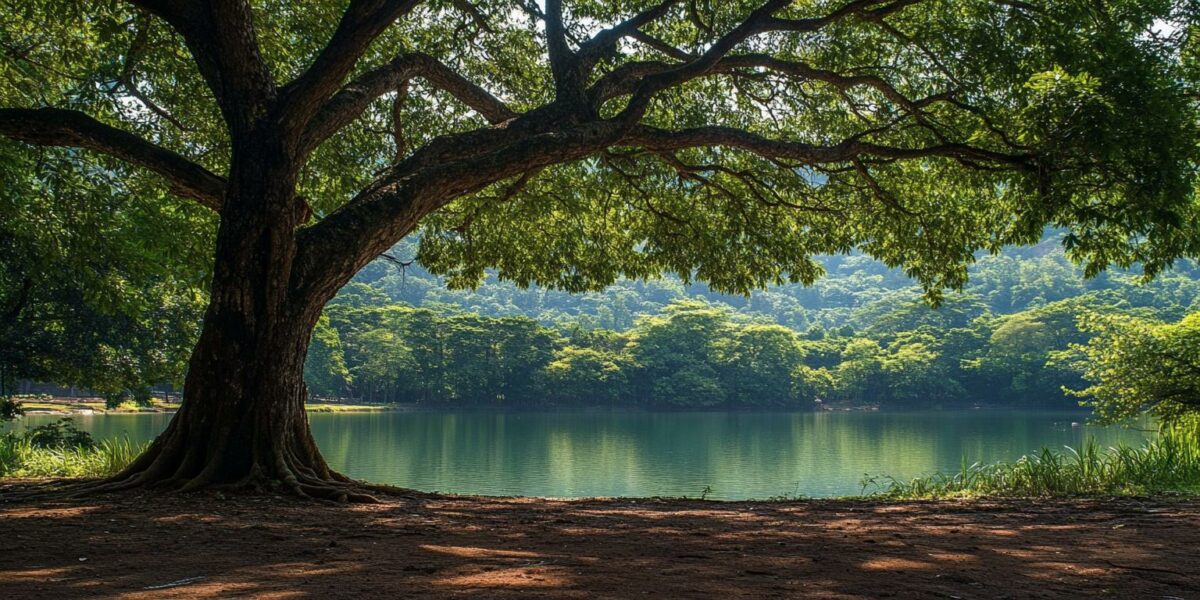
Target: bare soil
point(146, 545)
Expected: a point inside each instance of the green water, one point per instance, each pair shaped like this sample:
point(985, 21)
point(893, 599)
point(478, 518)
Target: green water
point(738, 455)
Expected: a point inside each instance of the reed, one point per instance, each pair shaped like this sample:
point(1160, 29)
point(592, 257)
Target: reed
point(1170, 463)
point(19, 457)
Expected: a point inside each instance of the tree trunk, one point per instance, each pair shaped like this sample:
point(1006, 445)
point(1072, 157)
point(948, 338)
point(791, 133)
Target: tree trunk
point(242, 422)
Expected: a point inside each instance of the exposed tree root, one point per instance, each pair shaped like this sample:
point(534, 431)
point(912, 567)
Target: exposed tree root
point(337, 489)
point(248, 447)
point(287, 462)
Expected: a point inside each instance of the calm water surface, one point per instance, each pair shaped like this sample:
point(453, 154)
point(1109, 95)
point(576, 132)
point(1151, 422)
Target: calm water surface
point(739, 455)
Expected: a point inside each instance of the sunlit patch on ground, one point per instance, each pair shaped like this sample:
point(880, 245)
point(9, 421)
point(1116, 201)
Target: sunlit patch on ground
point(897, 564)
point(145, 545)
point(469, 552)
point(515, 577)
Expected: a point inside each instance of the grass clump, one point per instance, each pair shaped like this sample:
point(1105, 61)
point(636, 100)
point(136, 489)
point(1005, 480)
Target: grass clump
point(1168, 464)
point(60, 450)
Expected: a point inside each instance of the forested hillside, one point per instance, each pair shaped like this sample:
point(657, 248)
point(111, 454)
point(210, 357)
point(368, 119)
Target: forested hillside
point(862, 335)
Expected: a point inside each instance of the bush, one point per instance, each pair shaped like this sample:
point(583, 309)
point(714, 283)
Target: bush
point(10, 409)
point(60, 434)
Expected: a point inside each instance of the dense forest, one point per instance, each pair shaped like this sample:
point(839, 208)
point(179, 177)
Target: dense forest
point(861, 336)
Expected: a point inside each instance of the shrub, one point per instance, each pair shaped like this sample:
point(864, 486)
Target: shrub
point(59, 435)
point(10, 408)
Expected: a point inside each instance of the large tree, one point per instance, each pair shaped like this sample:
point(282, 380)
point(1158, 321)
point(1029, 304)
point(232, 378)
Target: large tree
point(572, 143)
point(1135, 365)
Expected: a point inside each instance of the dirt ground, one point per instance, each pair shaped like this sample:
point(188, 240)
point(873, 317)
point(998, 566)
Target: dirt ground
point(428, 546)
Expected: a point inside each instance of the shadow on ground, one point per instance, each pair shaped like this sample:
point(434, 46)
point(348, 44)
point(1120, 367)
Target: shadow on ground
point(209, 546)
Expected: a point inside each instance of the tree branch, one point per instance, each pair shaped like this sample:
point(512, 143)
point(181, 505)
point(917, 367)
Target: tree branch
point(390, 207)
point(659, 140)
point(346, 105)
point(564, 64)
point(761, 20)
point(363, 21)
point(662, 46)
point(652, 84)
point(608, 38)
point(221, 37)
point(68, 128)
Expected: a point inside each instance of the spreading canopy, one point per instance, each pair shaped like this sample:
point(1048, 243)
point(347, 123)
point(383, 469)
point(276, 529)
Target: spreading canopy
point(572, 143)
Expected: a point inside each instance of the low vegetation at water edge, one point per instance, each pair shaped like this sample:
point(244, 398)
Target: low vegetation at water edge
point(60, 450)
point(1168, 464)
point(19, 458)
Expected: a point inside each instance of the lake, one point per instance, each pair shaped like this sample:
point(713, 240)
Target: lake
point(737, 455)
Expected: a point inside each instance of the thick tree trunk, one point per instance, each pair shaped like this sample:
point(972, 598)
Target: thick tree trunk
point(242, 422)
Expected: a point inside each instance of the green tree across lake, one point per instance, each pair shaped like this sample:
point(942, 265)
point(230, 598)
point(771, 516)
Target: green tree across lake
point(700, 352)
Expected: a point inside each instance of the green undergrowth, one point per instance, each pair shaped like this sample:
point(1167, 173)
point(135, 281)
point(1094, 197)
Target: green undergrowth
point(1167, 464)
point(60, 450)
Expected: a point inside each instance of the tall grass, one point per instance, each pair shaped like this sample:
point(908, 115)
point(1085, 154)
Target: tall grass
point(19, 457)
point(1168, 463)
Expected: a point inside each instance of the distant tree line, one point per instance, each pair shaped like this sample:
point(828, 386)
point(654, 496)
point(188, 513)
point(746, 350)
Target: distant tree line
point(696, 354)
point(860, 336)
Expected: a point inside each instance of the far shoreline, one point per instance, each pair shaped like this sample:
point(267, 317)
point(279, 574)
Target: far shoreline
point(91, 407)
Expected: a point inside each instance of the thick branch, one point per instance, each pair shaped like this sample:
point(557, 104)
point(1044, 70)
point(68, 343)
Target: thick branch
point(346, 105)
point(388, 209)
point(659, 140)
point(625, 79)
point(761, 20)
point(220, 35)
point(608, 38)
point(68, 128)
point(563, 62)
point(363, 21)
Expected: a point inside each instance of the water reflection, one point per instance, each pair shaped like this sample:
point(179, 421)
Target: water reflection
point(738, 455)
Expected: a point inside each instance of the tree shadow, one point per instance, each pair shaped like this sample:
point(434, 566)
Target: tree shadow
point(144, 545)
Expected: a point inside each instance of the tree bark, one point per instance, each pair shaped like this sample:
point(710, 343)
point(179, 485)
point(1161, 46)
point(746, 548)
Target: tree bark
point(242, 422)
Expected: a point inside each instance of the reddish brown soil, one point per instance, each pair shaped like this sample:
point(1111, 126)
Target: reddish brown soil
point(426, 546)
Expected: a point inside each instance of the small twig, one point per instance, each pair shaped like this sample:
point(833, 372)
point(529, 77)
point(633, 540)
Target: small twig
point(175, 584)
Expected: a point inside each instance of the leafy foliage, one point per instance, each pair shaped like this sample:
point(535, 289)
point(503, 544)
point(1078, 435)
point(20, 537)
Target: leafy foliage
point(903, 139)
point(1133, 364)
point(97, 290)
point(59, 434)
point(10, 409)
